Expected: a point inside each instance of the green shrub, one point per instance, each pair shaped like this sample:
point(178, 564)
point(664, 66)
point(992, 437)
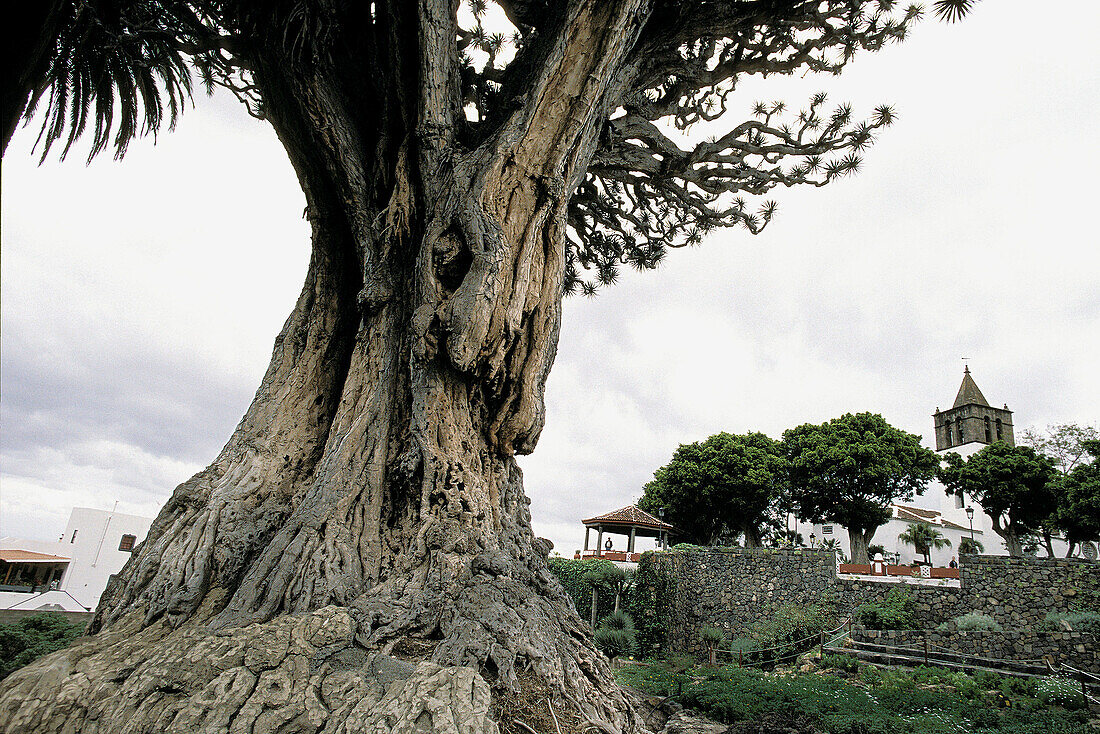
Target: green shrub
point(847, 663)
point(571, 573)
point(790, 624)
point(972, 621)
point(32, 637)
point(615, 636)
point(615, 643)
point(690, 547)
point(893, 612)
point(650, 603)
point(890, 701)
point(1078, 621)
point(619, 620)
point(712, 636)
point(1060, 692)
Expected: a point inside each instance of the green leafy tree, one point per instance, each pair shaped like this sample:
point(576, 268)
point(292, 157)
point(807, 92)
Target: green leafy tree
point(727, 484)
point(849, 470)
point(458, 183)
point(923, 537)
point(32, 637)
point(1066, 444)
point(1013, 484)
point(1078, 514)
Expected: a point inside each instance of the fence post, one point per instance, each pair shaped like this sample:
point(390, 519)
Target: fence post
point(739, 657)
point(821, 645)
point(926, 648)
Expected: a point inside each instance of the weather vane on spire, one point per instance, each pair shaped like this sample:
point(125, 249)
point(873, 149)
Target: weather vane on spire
point(966, 367)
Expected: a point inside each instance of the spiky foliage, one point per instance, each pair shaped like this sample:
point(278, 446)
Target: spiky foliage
point(117, 66)
point(966, 545)
point(923, 537)
point(649, 187)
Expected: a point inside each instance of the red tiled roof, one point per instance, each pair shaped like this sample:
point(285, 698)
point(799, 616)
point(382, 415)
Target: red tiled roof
point(927, 514)
point(629, 515)
point(23, 556)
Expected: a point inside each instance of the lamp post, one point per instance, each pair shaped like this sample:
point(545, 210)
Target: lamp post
point(661, 533)
point(970, 517)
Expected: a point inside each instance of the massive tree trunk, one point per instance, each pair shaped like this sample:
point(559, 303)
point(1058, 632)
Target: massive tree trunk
point(859, 541)
point(368, 504)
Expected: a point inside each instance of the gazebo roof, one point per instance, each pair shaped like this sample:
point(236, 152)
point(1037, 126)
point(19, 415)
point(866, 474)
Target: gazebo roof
point(629, 515)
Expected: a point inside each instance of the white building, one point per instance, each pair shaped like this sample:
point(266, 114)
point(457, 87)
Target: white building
point(69, 574)
point(965, 428)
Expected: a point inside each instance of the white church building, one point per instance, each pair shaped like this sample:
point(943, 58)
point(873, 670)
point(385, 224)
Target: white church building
point(69, 574)
point(965, 428)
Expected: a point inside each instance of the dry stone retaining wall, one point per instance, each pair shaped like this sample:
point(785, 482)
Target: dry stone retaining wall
point(730, 588)
point(1080, 649)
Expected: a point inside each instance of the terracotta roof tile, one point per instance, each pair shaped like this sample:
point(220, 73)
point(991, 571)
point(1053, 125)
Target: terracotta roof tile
point(24, 556)
point(927, 514)
point(629, 515)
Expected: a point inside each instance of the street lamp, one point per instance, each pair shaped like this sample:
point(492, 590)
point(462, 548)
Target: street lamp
point(661, 533)
point(970, 517)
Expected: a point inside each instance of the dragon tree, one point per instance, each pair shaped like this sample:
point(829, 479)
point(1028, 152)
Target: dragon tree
point(359, 556)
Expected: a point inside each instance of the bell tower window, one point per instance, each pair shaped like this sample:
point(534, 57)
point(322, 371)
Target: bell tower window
point(947, 431)
point(988, 431)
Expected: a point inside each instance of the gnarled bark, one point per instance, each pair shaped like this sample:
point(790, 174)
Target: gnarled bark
point(371, 485)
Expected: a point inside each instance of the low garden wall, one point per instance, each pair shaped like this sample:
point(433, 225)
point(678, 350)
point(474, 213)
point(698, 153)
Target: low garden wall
point(730, 588)
point(1079, 649)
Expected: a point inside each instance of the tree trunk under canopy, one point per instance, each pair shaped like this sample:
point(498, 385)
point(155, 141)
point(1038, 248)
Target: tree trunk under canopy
point(371, 489)
point(859, 541)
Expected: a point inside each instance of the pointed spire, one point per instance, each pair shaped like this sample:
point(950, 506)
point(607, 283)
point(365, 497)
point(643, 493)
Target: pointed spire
point(969, 394)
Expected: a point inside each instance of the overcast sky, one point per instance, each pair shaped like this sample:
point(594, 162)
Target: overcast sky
point(140, 300)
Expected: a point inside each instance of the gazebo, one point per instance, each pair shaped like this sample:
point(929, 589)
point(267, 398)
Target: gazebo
point(629, 521)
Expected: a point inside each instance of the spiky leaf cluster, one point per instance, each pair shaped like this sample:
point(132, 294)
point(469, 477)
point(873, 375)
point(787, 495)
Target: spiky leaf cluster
point(121, 67)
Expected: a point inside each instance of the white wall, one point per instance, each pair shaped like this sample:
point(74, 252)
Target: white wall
point(95, 550)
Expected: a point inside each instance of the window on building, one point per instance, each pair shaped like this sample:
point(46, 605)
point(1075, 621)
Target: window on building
point(826, 529)
point(958, 501)
point(1000, 433)
point(127, 543)
point(960, 427)
point(988, 431)
point(947, 431)
point(73, 539)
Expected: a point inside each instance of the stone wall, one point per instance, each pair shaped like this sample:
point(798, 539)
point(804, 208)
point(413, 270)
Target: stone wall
point(730, 588)
point(1079, 649)
point(1019, 592)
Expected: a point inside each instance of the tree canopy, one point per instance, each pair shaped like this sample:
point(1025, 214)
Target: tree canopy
point(723, 486)
point(117, 69)
point(1078, 514)
point(1013, 484)
point(850, 469)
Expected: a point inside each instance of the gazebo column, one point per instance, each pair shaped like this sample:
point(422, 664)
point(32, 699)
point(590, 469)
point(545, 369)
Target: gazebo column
point(630, 543)
point(586, 529)
point(599, 540)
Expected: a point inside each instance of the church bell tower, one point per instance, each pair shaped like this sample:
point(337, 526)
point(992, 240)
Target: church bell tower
point(971, 419)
